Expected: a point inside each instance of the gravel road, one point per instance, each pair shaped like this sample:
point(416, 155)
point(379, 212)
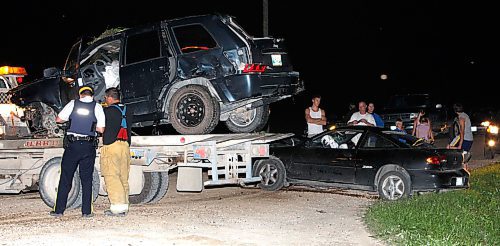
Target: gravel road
point(217, 216)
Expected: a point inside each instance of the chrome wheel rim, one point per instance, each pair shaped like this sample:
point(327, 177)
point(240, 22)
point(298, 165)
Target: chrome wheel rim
point(393, 187)
point(269, 174)
point(242, 117)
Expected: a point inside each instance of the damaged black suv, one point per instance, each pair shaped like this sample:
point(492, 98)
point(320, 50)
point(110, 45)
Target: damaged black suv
point(190, 72)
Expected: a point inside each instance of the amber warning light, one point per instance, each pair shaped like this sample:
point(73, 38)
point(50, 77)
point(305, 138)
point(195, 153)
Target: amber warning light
point(7, 70)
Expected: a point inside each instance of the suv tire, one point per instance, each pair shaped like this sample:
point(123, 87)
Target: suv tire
point(258, 120)
point(192, 110)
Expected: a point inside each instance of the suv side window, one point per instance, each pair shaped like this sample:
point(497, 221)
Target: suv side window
point(143, 46)
point(193, 38)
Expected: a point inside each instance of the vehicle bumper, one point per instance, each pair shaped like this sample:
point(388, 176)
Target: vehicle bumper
point(243, 86)
point(427, 180)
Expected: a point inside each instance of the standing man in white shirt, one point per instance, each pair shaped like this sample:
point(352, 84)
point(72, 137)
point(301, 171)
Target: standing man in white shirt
point(362, 117)
point(86, 118)
point(315, 117)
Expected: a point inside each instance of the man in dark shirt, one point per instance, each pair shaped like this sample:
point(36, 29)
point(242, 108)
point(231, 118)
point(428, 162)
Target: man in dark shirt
point(115, 153)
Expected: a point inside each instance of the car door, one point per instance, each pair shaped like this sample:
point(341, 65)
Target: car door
point(327, 161)
point(374, 151)
point(144, 68)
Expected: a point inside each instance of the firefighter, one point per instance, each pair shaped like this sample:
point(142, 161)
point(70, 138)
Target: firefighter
point(86, 118)
point(115, 153)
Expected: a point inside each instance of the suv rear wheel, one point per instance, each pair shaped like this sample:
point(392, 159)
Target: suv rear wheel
point(242, 120)
point(192, 110)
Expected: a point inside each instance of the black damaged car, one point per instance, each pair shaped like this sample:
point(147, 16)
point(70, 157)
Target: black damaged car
point(189, 72)
point(366, 158)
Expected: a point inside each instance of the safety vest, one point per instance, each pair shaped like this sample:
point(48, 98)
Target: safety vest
point(82, 119)
point(122, 133)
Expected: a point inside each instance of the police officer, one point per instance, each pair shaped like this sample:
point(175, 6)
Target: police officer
point(85, 117)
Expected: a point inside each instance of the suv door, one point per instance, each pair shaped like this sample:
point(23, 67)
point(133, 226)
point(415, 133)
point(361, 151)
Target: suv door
point(144, 68)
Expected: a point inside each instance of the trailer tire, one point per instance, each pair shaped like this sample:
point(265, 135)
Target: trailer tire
point(151, 183)
point(96, 182)
point(162, 189)
point(49, 182)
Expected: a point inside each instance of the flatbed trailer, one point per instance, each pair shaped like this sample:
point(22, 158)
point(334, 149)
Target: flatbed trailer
point(34, 164)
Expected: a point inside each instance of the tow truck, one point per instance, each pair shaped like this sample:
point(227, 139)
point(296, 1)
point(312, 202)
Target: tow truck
point(198, 160)
point(31, 163)
point(11, 124)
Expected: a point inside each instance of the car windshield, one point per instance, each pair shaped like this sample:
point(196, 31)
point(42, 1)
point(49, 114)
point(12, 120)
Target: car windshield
point(408, 140)
point(71, 64)
point(409, 101)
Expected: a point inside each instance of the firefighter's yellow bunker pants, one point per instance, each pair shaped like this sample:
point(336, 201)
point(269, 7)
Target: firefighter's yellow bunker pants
point(115, 167)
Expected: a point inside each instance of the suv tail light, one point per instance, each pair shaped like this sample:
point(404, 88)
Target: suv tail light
point(254, 68)
point(435, 160)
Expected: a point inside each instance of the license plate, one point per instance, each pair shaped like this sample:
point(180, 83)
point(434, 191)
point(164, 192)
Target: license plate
point(460, 181)
point(276, 60)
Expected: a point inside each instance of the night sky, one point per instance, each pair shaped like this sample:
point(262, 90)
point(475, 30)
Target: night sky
point(340, 51)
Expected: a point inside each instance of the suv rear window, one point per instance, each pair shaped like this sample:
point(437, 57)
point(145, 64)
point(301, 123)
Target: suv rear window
point(193, 38)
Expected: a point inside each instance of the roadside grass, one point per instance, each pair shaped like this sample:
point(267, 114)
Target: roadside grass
point(462, 217)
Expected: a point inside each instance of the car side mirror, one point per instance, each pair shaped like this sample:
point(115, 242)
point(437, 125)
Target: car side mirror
point(51, 72)
point(438, 106)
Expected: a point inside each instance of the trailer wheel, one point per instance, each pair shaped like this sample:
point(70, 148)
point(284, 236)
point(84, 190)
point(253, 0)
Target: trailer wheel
point(162, 189)
point(96, 182)
point(49, 182)
point(273, 174)
point(192, 110)
point(243, 121)
point(151, 183)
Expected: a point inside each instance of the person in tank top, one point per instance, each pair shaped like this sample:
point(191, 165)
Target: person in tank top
point(315, 117)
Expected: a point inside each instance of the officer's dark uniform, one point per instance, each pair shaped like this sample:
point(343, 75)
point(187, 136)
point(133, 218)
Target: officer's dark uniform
point(79, 152)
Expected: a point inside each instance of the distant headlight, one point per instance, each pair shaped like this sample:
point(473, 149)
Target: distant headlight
point(492, 129)
point(485, 123)
point(491, 143)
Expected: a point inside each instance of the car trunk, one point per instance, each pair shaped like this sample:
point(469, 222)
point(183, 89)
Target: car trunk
point(271, 52)
point(454, 159)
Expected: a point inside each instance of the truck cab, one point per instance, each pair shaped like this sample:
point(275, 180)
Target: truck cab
point(10, 114)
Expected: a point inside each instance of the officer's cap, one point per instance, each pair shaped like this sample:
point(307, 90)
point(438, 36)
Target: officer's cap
point(86, 88)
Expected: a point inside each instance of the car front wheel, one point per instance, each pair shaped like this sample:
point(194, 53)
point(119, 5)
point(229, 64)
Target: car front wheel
point(394, 185)
point(273, 174)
